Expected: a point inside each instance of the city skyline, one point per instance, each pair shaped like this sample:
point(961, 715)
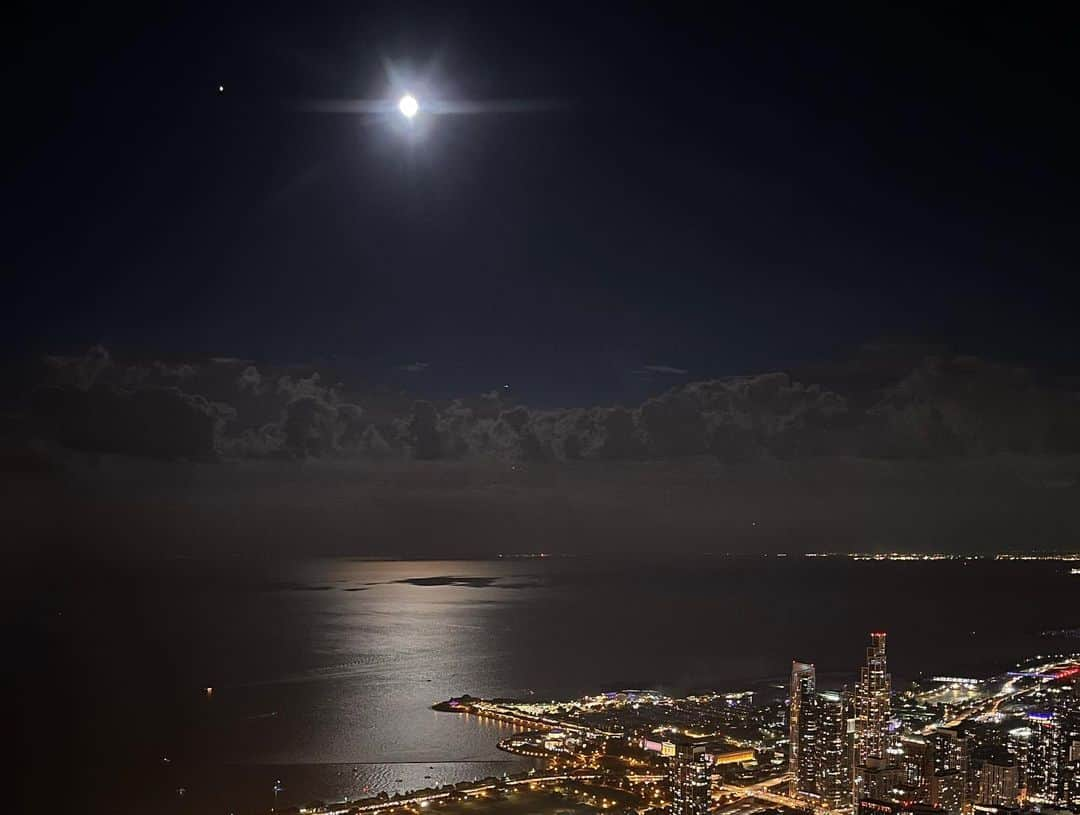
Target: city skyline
point(948, 750)
point(940, 767)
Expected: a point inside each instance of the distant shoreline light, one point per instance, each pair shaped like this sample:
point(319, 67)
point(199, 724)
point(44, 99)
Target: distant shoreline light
point(1034, 556)
point(1064, 557)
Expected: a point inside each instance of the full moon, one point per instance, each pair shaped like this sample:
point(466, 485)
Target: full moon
point(408, 106)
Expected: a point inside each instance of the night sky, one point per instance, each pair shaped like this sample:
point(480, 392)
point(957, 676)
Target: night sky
point(719, 194)
point(876, 206)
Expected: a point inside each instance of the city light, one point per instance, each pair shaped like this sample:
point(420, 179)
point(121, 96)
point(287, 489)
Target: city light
point(866, 751)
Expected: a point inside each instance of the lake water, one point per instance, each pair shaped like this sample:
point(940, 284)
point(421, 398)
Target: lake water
point(323, 671)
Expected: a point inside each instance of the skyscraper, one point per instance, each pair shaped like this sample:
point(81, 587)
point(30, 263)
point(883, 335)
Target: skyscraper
point(918, 766)
point(999, 782)
point(948, 790)
point(1069, 711)
point(1042, 769)
point(951, 750)
point(872, 707)
point(801, 737)
point(688, 774)
point(819, 758)
point(833, 760)
point(881, 779)
point(1054, 752)
point(872, 702)
point(952, 767)
point(1018, 744)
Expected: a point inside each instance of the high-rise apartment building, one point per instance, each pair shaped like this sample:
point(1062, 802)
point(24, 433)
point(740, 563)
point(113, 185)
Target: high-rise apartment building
point(688, 773)
point(873, 698)
point(872, 752)
point(1069, 712)
point(1053, 755)
point(917, 760)
point(802, 734)
point(833, 762)
point(880, 779)
point(998, 782)
point(1018, 744)
point(951, 750)
point(948, 791)
point(819, 753)
point(952, 768)
point(1044, 766)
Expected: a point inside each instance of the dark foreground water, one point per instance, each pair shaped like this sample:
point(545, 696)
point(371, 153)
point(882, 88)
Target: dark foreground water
point(323, 671)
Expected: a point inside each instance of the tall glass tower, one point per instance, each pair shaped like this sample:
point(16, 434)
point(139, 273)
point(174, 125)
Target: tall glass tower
point(872, 708)
point(801, 749)
point(872, 702)
point(689, 776)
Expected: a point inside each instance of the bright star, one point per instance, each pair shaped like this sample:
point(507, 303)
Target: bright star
point(408, 106)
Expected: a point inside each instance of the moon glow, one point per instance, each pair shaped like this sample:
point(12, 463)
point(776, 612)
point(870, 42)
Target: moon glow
point(408, 106)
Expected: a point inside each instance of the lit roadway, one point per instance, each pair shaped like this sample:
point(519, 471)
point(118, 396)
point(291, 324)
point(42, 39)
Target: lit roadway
point(1008, 693)
point(424, 798)
point(763, 792)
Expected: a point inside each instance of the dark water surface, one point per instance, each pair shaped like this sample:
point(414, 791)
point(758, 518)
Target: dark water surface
point(323, 671)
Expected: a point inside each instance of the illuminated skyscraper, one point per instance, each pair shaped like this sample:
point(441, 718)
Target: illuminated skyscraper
point(871, 748)
point(880, 779)
point(1042, 769)
point(833, 760)
point(951, 750)
point(688, 772)
point(1018, 744)
point(801, 737)
point(819, 757)
point(1054, 752)
point(999, 782)
point(918, 765)
point(952, 762)
point(872, 702)
point(1069, 711)
point(948, 790)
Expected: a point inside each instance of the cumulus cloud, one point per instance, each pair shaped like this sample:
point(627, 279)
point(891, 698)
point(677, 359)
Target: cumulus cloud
point(309, 427)
point(934, 451)
point(267, 441)
point(250, 380)
point(78, 371)
point(422, 431)
point(295, 388)
point(933, 407)
point(153, 421)
point(969, 406)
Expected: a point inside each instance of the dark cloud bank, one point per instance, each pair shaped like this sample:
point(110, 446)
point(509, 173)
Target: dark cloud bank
point(890, 449)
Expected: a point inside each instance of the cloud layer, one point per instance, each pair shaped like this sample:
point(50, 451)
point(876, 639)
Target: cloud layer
point(231, 409)
point(935, 452)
